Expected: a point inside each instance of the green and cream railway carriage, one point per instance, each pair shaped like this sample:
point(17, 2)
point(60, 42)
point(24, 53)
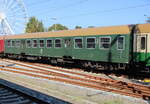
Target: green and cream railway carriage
point(116, 46)
point(142, 44)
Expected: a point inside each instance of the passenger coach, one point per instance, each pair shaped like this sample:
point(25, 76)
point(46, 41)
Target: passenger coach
point(88, 46)
point(142, 45)
point(102, 47)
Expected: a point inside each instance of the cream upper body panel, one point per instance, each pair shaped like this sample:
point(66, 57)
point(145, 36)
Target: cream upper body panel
point(142, 30)
point(125, 29)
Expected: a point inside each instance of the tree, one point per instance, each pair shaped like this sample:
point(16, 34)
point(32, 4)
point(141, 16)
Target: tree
point(34, 25)
point(78, 27)
point(56, 27)
point(91, 26)
point(40, 27)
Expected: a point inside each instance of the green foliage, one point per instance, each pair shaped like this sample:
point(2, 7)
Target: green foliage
point(91, 26)
point(40, 27)
point(34, 26)
point(78, 27)
point(56, 27)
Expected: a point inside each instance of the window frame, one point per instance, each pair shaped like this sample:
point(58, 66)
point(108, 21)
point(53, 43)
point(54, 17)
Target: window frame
point(141, 48)
point(87, 44)
point(75, 43)
point(43, 43)
point(60, 43)
point(16, 44)
point(36, 43)
point(27, 43)
point(123, 43)
point(47, 44)
point(10, 43)
point(100, 42)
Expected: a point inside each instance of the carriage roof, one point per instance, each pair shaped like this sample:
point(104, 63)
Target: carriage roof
point(125, 29)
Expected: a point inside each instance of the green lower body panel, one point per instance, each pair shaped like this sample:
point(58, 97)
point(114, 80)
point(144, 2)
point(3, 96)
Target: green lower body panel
point(142, 57)
point(111, 54)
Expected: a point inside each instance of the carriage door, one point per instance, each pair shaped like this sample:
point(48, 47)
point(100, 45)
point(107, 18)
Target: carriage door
point(141, 47)
point(23, 46)
point(67, 46)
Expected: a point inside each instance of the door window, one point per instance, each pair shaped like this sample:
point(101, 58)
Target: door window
point(120, 43)
point(143, 41)
point(67, 43)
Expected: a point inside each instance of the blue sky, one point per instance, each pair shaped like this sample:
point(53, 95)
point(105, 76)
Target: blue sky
point(89, 12)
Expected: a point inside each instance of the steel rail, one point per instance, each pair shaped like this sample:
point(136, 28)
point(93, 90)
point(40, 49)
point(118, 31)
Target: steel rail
point(138, 89)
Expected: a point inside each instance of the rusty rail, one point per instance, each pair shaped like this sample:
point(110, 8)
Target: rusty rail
point(91, 81)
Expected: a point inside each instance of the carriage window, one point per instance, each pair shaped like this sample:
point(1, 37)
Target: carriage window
point(120, 43)
point(78, 43)
point(29, 44)
point(105, 42)
point(17, 43)
point(67, 43)
point(9, 43)
point(91, 42)
point(143, 41)
point(49, 43)
point(58, 43)
point(34, 43)
point(13, 43)
point(41, 43)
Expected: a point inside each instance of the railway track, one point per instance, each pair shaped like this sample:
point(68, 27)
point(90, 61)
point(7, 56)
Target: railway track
point(11, 96)
point(77, 78)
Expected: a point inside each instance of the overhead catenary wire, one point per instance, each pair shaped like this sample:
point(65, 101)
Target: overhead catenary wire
point(61, 7)
point(88, 13)
point(50, 12)
point(105, 11)
point(41, 2)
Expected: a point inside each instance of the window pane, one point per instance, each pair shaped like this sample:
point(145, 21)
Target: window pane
point(78, 43)
point(29, 44)
point(120, 42)
point(41, 43)
point(9, 43)
point(34, 43)
point(49, 43)
point(105, 40)
point(13, 43)
point(67, 43)
point(91, 43)
point(18, 43)
point(143, 43)
point(105, 43)
point(58, 43)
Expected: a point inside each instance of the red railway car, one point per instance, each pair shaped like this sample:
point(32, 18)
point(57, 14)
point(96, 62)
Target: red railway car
point(1, 45)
